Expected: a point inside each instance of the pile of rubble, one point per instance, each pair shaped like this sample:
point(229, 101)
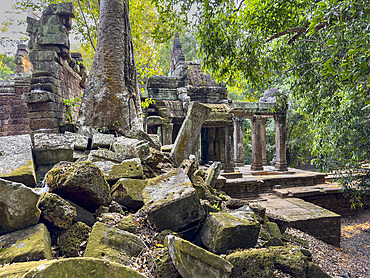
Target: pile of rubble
point(114, 206)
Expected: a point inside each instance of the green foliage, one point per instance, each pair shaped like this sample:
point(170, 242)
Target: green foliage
point(319, 49)
point(7, 66)
point(70, 103)
point(148, 101)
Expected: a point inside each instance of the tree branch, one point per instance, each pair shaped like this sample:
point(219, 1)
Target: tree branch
point(87, 26)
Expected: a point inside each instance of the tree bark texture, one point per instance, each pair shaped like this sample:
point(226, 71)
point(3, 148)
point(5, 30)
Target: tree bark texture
point(111, 98)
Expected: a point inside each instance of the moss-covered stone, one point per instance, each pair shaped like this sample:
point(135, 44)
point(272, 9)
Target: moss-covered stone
point(273, 229)
point(191, 261)
point(127, 224)
point(130, 168)
point(223, 231)
point(24, 174)
point(290, 260)
point(70, 241)
point(313, 271)
point(252, 263)
point(81, 182)
point(32, 243)
point(108, 242)
point(72, 267)
point(165, 267)
point(18, 270)
point(18, 206)
point(274, 241)
point(128, 192)
point(171, 202)
point(56, 211)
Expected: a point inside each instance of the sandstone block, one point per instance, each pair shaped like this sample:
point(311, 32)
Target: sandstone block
point(56, 211)
point(191, 261)
point(80, 182)
point(224, 231)
point(18, 207)
point(101, 140)
point(32, 243)
point(131, 148)
point(107, 242)
point(72, 267)
point(52, 148)
point(171, 202)
point(128, 192)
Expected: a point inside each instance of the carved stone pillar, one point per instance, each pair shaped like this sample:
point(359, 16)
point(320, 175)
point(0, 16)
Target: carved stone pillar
point(167, 129)
point(280, 141)
point(256, 143)
point(229, 148)
point(263, 141)
point(238, 141)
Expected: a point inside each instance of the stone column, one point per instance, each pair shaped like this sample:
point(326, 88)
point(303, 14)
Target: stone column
point(280, 141)
point(229, 148)
point(211, 143)
point(256, 143)
point(167, 129)
point(238, 141)
point(263, 140)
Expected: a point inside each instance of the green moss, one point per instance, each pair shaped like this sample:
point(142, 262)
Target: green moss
point(82, 267)
point(127, 224)
point(252, 263)
point(70, 241)
point(33, 244)
point(107, 242)
point(24, 174)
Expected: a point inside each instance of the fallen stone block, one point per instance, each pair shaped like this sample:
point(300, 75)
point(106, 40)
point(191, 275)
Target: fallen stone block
point(101, 140)
point(71, 267)
point(80, 142)
point(18, 207)
point(128, 192)
point(81, 182)
point(224, 231)
point(16, 159)
point(131, 148)
point(30, 244)
point(104, 155)
point(171, 201)
point(130, 168)
point(212, 173)
point(70, 241)
point(56, 211)
point(83, 215)
point(52, 148)
point(191, 261)
point(108, 242)
point(252, 263)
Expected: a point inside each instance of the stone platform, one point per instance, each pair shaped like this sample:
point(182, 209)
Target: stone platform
point(253, 183)
point(296, 213)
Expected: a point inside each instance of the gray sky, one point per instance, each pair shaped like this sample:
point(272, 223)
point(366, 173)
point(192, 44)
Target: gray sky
point(7, 12)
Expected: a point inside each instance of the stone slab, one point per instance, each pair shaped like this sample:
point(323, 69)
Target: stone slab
point(296, 213)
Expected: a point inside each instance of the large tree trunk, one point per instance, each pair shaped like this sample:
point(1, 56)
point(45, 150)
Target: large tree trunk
point(111, 95)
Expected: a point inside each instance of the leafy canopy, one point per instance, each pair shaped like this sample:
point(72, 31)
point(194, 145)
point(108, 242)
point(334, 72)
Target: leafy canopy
point(319, 51)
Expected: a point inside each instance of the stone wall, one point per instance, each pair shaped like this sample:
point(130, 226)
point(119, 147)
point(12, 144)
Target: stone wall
point(58, 73)
point(336, 202)
point(13, 113)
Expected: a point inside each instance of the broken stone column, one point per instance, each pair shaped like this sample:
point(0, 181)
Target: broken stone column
point(256, 143)
point(22, 61)
point(280, 141)
point(263, 139)
point(167, 129)
point(111, 98)
point(238, 141)
point(189, 132)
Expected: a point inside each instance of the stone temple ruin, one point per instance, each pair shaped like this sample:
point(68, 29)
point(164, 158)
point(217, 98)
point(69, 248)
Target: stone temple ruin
point(68, 185)
point(221, 134)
